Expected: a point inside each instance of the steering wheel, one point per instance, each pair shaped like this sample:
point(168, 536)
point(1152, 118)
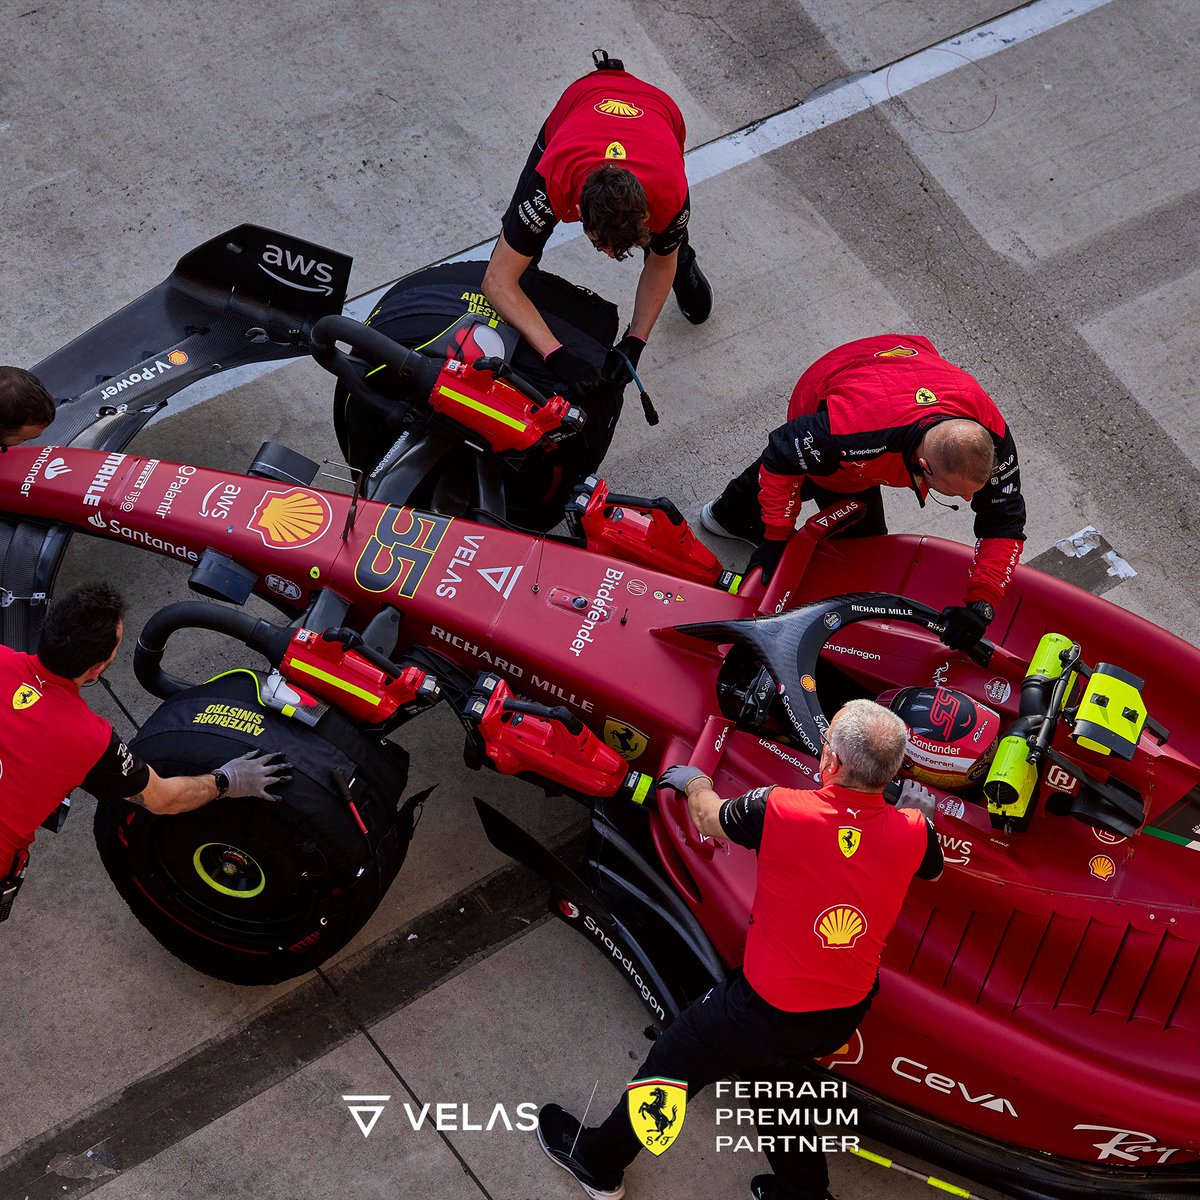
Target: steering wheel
point(788, 645)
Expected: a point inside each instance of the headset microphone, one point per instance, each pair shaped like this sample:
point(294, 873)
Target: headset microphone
point(942, 502)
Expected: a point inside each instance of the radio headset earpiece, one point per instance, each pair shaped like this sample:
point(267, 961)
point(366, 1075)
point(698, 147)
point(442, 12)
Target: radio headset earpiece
point(933, 497)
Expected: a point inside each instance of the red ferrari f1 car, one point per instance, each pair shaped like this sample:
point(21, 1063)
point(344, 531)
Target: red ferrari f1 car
point(1038, 1025)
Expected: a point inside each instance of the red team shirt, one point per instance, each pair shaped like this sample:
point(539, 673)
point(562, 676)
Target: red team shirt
point(833, 869)
point(612, 116)
point(49, 742)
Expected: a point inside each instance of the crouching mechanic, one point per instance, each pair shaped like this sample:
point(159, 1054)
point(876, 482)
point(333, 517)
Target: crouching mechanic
point(610, 155)
point(886, 411)
point(52, 743)
point(819, 922)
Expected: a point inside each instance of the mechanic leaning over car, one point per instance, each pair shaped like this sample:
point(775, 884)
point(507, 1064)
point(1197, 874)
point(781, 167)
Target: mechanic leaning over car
point(886, 411)
point(610, 155)
point(51, 742)
point(820, 918)
point(26, 408)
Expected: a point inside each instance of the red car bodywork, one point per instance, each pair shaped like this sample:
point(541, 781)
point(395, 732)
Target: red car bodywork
point(1044, 993)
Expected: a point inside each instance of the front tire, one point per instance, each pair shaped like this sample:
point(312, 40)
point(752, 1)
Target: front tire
point(253, 891)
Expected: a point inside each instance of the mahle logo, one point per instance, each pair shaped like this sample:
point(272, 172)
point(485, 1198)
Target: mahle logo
point(656, 1111)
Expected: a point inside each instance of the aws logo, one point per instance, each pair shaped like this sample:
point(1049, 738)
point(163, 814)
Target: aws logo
point(317, 276)
point(291, 519)
point(840, 926)
point(26, 696)
point(618, 108)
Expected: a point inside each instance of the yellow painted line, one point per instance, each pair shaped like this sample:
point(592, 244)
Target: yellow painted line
point(487, 411)
point(333, 681)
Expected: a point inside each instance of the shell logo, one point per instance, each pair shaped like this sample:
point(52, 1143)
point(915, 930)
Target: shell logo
point(808, 683)
point(291, 519)
point(177, 358)
point(618, 108)
point(840, 926)
point(896, 352)
point(1102, 867)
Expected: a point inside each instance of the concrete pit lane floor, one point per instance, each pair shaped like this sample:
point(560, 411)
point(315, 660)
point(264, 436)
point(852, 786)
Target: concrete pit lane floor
point(1025, 195)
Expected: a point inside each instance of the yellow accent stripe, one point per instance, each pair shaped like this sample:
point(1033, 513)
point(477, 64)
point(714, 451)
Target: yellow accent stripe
point(932, 1180)
point(316, 672)
point(640, 792)
point(487, 411)
point(867, 1154)
point(374, 370)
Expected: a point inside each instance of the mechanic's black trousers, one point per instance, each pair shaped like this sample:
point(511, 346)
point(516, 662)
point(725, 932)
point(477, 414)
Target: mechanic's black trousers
point(733, 1030)
point(738, 509)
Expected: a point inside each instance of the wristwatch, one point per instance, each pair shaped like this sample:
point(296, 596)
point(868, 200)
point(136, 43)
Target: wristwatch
point(222, 782)
point(984, 609)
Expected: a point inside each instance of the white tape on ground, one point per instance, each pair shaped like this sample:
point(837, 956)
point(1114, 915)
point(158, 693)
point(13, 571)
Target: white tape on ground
point(839, 100)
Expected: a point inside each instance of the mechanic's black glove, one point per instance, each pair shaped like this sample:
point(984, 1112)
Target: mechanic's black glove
point(577, 373)
point(254, 773)
point(767, 556)
point(965, 623)
point(616, 370)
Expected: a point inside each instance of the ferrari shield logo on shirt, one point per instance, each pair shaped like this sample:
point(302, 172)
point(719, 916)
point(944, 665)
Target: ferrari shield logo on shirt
point(627, 741)
point(656, 1110)
point(26, 696)
point(925, 396)
point(848, 840)
point(614, 150)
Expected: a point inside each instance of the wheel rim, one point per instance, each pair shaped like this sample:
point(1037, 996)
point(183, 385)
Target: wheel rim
point(229, 870)
point(244, 885)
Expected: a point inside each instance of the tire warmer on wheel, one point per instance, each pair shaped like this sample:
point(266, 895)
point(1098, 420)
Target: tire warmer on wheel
point(255, 891)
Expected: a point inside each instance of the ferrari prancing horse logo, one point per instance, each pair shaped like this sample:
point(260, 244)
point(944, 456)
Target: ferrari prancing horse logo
point(627, 741)
point(26, 696)
point(848, 840)
point(656, 1111)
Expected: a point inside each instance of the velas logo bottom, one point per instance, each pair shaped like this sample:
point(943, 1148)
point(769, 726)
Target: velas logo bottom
point(656, 1111)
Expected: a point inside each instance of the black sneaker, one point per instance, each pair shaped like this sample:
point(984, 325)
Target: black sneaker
point(762, 1187)
point(693, 292)
point(557, 1132)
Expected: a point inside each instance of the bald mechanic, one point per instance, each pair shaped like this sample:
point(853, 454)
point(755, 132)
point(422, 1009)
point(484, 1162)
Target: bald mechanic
point(610, 155)
point(887, 411)
point(26, 408)
point(52, 743)
point(817, 928)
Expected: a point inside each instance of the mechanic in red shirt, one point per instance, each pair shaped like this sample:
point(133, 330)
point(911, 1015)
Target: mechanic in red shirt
point(833, 869)
point(886, 411)
point(52, 743)
point(26, 408)
point(611, 156)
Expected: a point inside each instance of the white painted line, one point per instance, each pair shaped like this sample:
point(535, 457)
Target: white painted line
point(839, 100)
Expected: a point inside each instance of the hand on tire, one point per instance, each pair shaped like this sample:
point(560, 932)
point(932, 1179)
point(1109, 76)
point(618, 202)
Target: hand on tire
point(577, 373)
point(254, 773)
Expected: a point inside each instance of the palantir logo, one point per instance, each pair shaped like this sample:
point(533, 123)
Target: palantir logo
point(365, 1110)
